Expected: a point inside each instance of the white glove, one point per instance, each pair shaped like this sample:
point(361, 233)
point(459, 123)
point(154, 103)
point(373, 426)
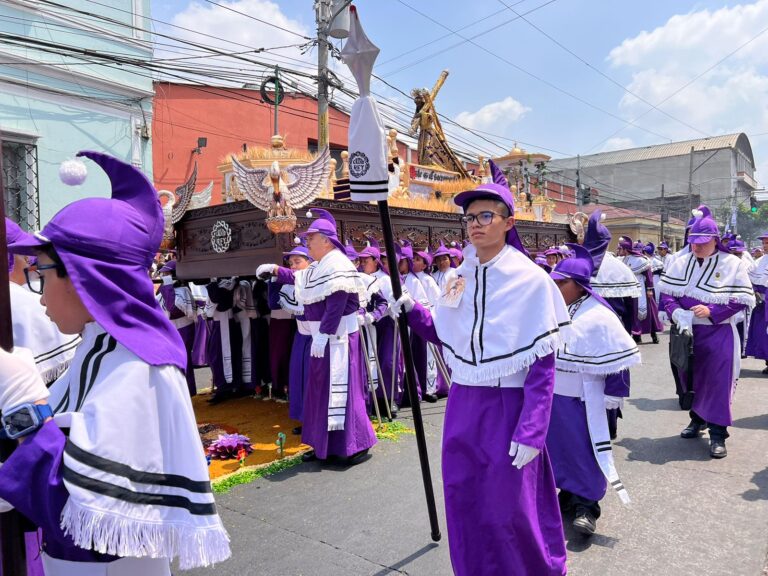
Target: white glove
point(319, 342)
point(266, 270)
point(369, 319)
point(522, 454)
point(167, 279)
point(20, 382)
point(4, 505)
point(683, 319)
point(613, 402)
point(361, 320)
point(405, 302)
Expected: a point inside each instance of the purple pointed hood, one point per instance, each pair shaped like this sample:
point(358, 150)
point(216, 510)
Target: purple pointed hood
point(404, 250)
point(371, 250)
point(625, 242)
point(663, 246)
point(350, 251)
point(169, 266)
point(541, 262)
point(324, 224)
point(300, 249)
point(493, 192)
point(426, 256)
point(705, 228)
point(13, 233)
point(107, 246)
point(649, 249)
point(596, 239)
point(578, 268)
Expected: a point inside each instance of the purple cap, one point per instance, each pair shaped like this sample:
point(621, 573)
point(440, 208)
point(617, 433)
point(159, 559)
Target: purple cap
point(704, 227)
point(426, 256)
point(13, 233)
point(298, 250)
point(493, 192)
point(756, 250)
point(552, 251)
point(325, 224)
point(579, 268)
point(737, 245)
point(169, 266)
point(371, 250)
point(107, 245)
point(663, 246)
point(596, 239)
point(541, 261)
point(441, 250)
point(649, 248)
point(763, 236)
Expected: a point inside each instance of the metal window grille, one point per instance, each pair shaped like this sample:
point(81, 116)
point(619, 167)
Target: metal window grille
point(20, 184)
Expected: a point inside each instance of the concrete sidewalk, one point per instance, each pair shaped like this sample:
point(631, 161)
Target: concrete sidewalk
point(690, 515)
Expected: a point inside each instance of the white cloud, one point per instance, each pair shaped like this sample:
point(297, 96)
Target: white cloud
point(728, 98)
point(231, 31)
point(495, 117)
point(618, 143)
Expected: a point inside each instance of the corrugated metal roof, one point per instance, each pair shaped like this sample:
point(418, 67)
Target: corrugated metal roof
point(672, 149)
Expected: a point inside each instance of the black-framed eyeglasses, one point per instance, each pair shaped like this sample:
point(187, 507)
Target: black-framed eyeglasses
point(35, 280)
point(483, 218)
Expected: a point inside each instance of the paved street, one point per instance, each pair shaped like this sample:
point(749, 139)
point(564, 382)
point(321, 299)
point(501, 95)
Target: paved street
point(691, 515)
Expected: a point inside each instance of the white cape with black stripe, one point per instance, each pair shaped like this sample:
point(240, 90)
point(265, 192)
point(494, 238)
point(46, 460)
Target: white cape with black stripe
point(599, 343)
point(134, 465)
point(719, 279)
point(32, 329)
point(509, 314)
point(615, 280)
point(334, 273)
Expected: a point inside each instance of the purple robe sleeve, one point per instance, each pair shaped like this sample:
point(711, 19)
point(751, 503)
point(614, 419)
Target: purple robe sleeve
point(720, 312)
point(273, 295)
point(334, 310)
point(649, 279)
point(168, 292)
point(669, 303)
point(617, 384)
point(285, 276)
point(380, 306)
point(420, 321)
point(532, 425)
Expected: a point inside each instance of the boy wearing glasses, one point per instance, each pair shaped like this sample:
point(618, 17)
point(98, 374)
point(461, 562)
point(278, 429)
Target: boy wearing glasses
point(499, 334)
point(110, 466)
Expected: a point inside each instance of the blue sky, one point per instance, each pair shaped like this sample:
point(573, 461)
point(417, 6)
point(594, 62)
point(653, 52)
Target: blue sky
point(653, 48)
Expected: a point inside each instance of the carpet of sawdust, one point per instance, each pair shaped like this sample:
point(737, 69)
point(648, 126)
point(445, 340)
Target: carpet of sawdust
point(258, 419)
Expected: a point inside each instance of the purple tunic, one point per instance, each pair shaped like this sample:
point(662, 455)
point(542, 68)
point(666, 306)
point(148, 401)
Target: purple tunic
point(651, 323)
point(570, 450)
point(757, 341)
point(358, 432)
point(200, 346)
point(713, 381)
point(501, 520)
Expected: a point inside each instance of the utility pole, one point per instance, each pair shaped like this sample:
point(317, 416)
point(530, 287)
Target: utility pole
point(663, 214)
point(323, 14)
point(690, 185)
point(578, 180)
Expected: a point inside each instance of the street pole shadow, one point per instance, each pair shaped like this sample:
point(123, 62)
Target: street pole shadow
point(749, 373)
point(663, 450)
point(575, 542)
point(395, 568)
point(759, 479)
point(759, 422)
point(654, 405)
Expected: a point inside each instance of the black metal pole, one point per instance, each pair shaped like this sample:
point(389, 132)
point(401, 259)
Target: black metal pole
point(410, 373)
point(12, 546)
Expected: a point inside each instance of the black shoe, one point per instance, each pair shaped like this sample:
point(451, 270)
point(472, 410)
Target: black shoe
point(431, 398)
point(296, 430)
point(393, 410)
point(654, 339)
point(218, 399)
point(585, 523)
point(565, 502)
point(358, 457)
point(637, 339)
point(717, 449)
point(309, 456)
point(693, 430)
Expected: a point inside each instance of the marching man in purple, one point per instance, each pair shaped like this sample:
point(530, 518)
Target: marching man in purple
point(500, 324)
point(330, 291)
point(126, 490)
point(579, 439)
point(437, 387)
point(647, 318)
point(176, 301)
point(702, 292)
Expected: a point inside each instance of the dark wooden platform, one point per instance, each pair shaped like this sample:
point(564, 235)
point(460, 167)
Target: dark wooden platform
point(253, 244)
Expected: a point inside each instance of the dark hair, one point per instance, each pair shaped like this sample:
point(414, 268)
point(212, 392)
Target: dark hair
point(50, 251)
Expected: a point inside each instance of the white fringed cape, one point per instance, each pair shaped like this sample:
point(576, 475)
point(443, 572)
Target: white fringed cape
point(719, 279)
point(134, 465)
point(334, 273)
point(510, 314)
point(615, 280)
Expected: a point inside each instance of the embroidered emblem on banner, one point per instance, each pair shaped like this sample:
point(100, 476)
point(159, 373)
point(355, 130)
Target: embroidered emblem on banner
point(358, 164)
point(454, 290)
